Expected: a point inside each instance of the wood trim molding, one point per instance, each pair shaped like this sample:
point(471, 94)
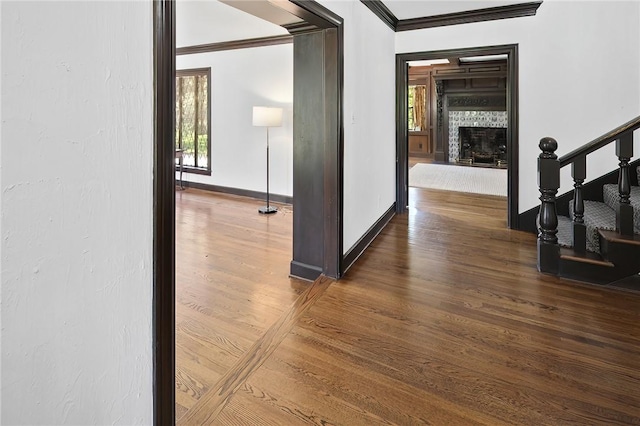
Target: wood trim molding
point(300, 28)
point(304, 271)
point(329, 220)
point(286, 199)
point(480, 100)
point(402, 135)
point(193, 71)
point(365, 241)
point(163, 315)
point(314, 13)
point(235, 44)
point(466, 17)
point(513, 135)
point(470, 16)
point(382, 11)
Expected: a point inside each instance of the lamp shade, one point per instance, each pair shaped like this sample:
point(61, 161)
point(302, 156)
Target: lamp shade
point(267, 116)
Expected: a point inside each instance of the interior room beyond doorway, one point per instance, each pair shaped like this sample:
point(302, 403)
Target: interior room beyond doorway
point(457, 116)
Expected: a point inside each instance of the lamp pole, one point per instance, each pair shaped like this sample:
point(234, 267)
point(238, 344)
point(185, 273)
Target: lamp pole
point(267, 117)
point(268, 209)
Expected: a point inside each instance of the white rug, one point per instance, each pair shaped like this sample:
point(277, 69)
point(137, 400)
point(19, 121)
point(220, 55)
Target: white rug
point(478, 180)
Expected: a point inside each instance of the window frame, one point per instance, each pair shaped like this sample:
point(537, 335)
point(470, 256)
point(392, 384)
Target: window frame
point(190, 72)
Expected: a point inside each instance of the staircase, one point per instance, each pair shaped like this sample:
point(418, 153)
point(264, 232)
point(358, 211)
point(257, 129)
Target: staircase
point(599, 242)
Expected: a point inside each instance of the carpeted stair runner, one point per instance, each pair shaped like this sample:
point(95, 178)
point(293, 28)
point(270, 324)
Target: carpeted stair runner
point(611, 197)
point(565, 235)
point(599, 216)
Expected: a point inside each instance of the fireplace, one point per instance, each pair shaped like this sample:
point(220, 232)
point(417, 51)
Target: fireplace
point(476, 119)
point(483, 145)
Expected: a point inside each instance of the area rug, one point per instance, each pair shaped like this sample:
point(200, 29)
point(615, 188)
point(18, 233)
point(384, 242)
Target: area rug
point(477, 180)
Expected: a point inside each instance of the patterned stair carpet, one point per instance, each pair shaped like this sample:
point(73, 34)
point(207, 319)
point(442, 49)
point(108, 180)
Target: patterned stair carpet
point(565, 234)
point(596, 216)
point(601, 216)
point(477, 180)
point(611, 198)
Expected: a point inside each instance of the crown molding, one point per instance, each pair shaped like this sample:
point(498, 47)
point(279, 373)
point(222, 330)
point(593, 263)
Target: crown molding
point(467, 17)
point(382, 12)
point(235, 44)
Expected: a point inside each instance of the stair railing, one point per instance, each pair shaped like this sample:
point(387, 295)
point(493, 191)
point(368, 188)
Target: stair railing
point(549, 166)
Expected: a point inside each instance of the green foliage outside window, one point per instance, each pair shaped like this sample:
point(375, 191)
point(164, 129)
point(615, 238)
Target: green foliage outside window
point(192, 117)
point(411, 99)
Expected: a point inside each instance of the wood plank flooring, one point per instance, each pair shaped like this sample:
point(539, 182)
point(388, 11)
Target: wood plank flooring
point(232, 284)
point(444, 320)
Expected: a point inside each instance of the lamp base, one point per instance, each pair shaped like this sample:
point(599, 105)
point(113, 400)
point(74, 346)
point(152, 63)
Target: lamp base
point(267, 210)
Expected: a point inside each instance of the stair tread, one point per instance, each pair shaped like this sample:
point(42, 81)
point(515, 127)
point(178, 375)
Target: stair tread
point(587, 257)
point(619, 238)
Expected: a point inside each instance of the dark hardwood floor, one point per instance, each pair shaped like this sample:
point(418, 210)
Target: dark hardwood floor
point(444, 320)
point(232, 284)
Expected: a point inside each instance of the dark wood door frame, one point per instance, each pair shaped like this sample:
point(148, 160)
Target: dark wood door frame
point(402, 154)
point(164, 71)
point(163, 304)
point(318, 148)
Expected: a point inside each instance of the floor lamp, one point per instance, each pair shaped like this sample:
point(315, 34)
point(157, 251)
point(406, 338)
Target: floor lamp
point(267, 117)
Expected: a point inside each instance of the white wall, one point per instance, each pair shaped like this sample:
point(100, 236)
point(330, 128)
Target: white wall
point(76, 224)
point(240, 79)
point(578, 75)
point(369, 118)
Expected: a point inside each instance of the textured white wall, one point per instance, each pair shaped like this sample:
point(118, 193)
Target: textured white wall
point(76, 190)
point(578, 75)
point(240, 79)
point(369, 118)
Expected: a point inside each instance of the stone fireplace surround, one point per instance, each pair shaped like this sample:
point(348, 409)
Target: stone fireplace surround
point(471, 119)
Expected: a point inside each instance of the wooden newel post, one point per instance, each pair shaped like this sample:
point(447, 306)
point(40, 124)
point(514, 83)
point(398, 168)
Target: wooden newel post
point(624, 210)
point(548, 182)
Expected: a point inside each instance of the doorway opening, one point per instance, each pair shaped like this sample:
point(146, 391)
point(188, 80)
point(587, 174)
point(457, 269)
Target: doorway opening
point(459, 107)
point(321, 231)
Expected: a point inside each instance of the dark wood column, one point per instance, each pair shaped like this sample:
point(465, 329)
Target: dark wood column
point(316, 167)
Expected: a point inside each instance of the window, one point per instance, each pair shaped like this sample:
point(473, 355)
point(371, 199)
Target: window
point(411, 99)
point(193, 119)
point(417, 102)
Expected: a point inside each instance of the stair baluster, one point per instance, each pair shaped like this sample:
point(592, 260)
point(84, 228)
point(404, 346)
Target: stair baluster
point(624, 211)
point(548, 182)
point(579, 174)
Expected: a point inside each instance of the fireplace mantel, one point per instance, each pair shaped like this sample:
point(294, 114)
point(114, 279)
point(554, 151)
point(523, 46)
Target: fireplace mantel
point(475, 102)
